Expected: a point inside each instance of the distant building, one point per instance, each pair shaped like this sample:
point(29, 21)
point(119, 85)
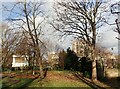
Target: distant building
point(84, 50)
point(81, 48)
point(20, 61)
point(53, 60)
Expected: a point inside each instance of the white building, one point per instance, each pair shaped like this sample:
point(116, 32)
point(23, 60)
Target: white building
point(20, 61)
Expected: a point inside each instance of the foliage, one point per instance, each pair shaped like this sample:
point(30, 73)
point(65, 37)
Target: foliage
point(62, 57)
point(81, 19)
point(86, 66)
point(71, 61)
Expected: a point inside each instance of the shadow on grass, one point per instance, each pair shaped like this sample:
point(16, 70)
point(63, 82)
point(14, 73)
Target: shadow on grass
point(17, 84)
point(9, 83)
point(112, 78)
point(45, 72)
point(22, 82)
point(88, 82)
point(113, 82)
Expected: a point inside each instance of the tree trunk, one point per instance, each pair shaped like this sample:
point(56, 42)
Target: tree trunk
point(94, 71)
point(33, 69)
point(40, 62)
point(41, 69)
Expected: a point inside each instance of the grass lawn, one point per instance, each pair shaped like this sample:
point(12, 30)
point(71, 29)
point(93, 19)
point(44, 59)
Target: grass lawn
point(6, 82)
point(58, 79)
point(22, 82)
point(112, 76)
point(17, 81)
point(53, 79)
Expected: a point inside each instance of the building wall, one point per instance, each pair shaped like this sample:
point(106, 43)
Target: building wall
point(81, 48)
point(53, 59)
point(19, 61)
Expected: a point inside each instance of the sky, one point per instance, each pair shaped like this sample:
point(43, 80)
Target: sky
point(108, 39)
point(106, 34)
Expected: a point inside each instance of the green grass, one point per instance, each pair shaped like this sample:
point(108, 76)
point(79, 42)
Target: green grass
point(58, 79)
point(53, 79)
point(23, 82)
point(15, 82)
point(7, 82)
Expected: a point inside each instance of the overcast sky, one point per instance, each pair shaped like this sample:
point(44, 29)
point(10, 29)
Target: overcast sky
point(106, 36)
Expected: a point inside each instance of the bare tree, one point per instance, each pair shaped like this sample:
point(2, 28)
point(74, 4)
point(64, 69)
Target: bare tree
point(9, 42)
point(118, 28)
point(115, 10)
point(26, 20)
point(81, 19)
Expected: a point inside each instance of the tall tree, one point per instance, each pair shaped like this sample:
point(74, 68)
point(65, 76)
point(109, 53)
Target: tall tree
point(9, 42)
point(24, 17)
point(71, 61)
point(82, 20)
point(117, 29)
point(115, 10)
point(62, 57)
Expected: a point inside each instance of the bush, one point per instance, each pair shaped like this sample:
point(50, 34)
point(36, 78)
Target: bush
point(36, 68)
point(71, 61)
point(6, 69)
point(60, 69)
point(86, 66)
point(87, 74)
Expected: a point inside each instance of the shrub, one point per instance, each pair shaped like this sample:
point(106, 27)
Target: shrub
point(87, 74)
point(86, 66)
